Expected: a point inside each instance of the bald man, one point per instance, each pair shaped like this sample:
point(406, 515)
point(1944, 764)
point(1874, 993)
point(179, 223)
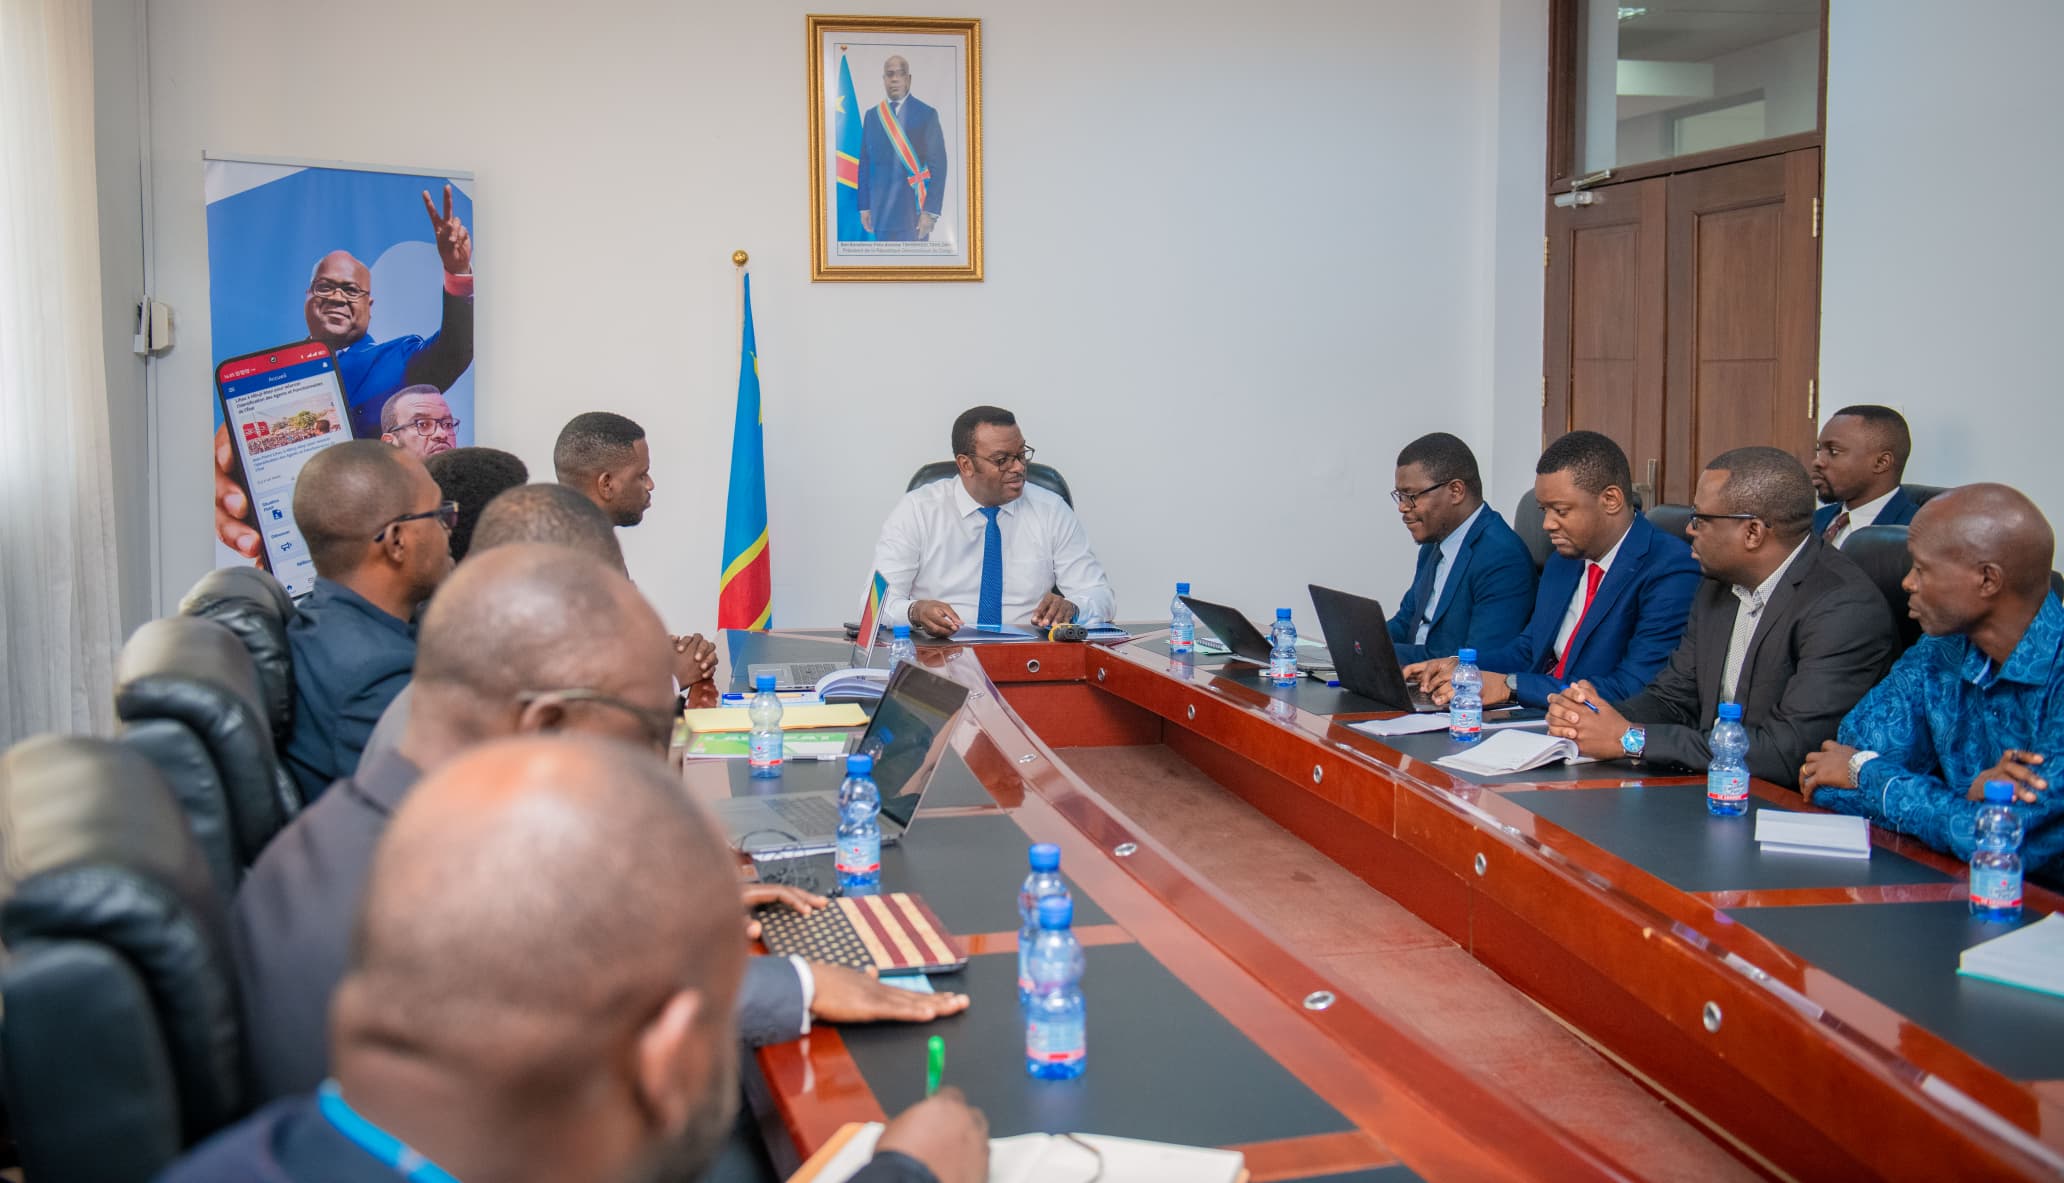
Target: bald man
point(541, 988)
point(418, 419)
point(338, 309)
point(524, 638)
point(379, 531)
point(1979, 698)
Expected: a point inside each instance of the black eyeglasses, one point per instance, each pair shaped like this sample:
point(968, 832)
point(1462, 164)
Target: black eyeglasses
point(1406, 500)
point(658, 725)
point(424, 425)
point(447, 515)
point(1006, 459)
point(1700, 519)
point(350, 293)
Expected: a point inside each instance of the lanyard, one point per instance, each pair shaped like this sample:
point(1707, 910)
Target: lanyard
point(378, 1142)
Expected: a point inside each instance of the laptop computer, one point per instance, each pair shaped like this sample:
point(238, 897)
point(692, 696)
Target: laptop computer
point(794, 675)
point(1358, 636)
point(1232, 628)
point(907, 737)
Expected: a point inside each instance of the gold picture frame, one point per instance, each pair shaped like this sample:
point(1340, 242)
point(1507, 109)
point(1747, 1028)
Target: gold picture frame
point(895, 147)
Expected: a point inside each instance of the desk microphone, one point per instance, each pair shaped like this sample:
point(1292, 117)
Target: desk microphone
point(1068, 631)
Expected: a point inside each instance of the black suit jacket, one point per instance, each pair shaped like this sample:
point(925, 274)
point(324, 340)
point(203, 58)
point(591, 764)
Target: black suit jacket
point(1825, 639)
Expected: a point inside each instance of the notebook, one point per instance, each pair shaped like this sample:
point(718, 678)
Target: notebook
point(1828, 835)
point(2031, 957)
point(1048, 1158)
point(1513, 750)
point(894, 933)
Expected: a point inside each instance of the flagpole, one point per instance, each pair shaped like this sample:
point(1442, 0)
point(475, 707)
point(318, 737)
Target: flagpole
point(739, 259)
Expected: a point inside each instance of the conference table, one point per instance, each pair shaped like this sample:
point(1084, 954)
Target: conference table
point(1352, 964)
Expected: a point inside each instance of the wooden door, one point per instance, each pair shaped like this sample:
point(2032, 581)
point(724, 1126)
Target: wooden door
point(1605, 324)
point(1743, 322)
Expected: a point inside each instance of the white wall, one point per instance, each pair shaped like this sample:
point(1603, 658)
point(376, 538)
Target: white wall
point(118, 54)
point(1235, 261)
point(1942, 248)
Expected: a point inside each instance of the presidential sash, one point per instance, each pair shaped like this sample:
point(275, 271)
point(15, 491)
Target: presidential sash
point(911, 164)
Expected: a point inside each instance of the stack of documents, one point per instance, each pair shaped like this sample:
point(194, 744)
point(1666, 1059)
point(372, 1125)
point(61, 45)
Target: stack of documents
point(2031, 957)
point(1048, 1158)
point(1828, 835)
point(1427, 722)
point(1512, 751)
point(801, 717)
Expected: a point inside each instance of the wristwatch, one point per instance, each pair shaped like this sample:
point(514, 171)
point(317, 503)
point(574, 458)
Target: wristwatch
point(1856, 762)
point(1512, 686)
point(1634, 742)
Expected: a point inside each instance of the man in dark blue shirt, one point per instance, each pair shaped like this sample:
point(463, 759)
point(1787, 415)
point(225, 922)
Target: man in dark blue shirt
point(1979, 698)
point(541, 988)
point(379, 532)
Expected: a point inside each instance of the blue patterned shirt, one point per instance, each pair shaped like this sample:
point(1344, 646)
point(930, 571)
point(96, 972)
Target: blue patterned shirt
point(1945, 714)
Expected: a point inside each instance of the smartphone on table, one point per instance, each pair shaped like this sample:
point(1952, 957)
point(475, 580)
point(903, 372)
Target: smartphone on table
point(282, 406)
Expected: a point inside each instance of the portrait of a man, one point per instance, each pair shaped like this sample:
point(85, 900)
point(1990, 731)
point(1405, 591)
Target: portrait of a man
point(902, 161)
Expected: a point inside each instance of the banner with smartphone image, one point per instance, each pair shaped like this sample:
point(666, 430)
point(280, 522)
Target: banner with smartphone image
point(342, 306)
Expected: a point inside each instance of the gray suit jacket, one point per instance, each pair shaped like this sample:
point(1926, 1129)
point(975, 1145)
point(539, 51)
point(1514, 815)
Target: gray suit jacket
point(291, 933)
point(1826, 637)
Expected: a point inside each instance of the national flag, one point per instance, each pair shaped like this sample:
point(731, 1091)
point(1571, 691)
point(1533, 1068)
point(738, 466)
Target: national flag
point(848, 148)
point(870, 612)
point(745, 591)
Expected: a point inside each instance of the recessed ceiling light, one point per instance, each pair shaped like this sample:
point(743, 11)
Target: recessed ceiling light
point(1628, 14)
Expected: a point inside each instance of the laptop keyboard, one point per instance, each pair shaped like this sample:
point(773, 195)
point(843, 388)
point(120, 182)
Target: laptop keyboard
point(805, 815)
point(800, 673)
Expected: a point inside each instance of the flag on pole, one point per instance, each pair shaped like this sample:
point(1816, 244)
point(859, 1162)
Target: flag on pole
point(745, 591)
point(848, 148)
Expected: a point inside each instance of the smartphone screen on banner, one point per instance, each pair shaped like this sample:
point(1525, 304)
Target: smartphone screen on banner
point(282, 406)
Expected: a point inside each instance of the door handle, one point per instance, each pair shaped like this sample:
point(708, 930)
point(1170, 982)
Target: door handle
point(1646, 491)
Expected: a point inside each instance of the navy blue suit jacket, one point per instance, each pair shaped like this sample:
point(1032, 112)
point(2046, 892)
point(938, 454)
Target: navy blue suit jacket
point(1632, 628)
point(1484, 602)
point(1897, 512)
point(884, 182)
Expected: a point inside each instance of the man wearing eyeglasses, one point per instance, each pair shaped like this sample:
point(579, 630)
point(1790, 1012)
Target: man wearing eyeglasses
point(379, 531)
point(418, 420)
point(1785, 625)
point(1474, 583)
point(986, 548)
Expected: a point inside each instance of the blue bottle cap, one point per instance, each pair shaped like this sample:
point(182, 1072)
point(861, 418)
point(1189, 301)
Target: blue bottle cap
point(1056, 912)
point(860, 764)
point(1731, 711)
point(1182, 589)
point(902, 632)
point(1045, 856)
point(1468, 655)
point(763, 682)
point(1282, 614)
point(1998, 792)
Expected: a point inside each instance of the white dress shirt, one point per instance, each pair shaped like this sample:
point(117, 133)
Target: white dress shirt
point(1746, 617)
point(1575, 612)
point(1863, 515)
point(1448, 548)
point(931, 549)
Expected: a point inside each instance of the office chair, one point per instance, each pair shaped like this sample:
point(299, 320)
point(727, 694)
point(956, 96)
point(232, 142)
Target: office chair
point(1672, 519)
point(187, 695)
point(1046, 476)
point(1526, 522)
point(1881, 552)
point(1922, 494)
point(119, 1034)
point(253, 605)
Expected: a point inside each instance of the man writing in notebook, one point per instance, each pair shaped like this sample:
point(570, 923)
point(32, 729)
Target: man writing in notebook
point(1613, 597)
point(1785, 625)
point(985, 547)
point(1979, 698)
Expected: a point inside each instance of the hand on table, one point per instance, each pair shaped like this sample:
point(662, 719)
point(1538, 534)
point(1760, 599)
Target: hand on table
point(1431, 675)
point(695, 659)
point(759, 895)
point(2016, 767)
point(943, 1132)
point(849, 996)
point(1827, 768)
point(1597, 733)
point(1053, 609)
point(936, 617)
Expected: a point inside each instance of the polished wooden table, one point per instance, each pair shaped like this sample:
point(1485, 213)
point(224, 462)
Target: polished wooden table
point(1801, 1016)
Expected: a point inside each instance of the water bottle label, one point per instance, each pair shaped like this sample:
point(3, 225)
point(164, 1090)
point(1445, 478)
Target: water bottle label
point(1994, 888)
point(859, 855)
point(1729, 786)
point(1055, 1041)
point(764, 750)
point(1465, 720)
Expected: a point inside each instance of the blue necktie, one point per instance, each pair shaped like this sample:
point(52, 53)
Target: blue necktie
point(990, 612)
point(1422, 591)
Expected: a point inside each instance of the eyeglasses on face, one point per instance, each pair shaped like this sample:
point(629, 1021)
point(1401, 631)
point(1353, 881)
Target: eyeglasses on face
point(1698, 520)
point(1005, 460)
point(657, 725)
point(424, 425)
point(1406, 500)
point(446, 513)
point(350, 293)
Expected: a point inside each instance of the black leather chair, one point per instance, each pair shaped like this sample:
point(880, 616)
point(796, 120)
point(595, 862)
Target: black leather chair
point(119, 1037)
point(253, 605)
point(1920, 495)
point(1046, 476)
point(187, 696)
point(1526, 522)
point(2057, 584)
point(1881, 552)
point(1672, 519)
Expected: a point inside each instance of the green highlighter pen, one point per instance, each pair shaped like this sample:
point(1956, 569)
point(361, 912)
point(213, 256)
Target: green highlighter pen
point(935, 1063)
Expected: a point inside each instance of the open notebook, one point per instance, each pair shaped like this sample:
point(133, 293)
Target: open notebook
point(2031, 957)
point(1513, 751)
point(1048, 1158)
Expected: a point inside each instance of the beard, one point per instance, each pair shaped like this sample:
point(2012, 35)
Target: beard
point(685, 1155)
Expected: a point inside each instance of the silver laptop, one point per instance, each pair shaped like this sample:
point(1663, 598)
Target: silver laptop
point(907, 738)
point(791, 675)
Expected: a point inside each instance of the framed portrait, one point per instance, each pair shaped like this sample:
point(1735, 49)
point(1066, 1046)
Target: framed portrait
point(895, 148)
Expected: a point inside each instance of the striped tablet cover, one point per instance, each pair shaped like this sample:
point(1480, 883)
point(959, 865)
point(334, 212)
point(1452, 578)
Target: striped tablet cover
point(892, 933)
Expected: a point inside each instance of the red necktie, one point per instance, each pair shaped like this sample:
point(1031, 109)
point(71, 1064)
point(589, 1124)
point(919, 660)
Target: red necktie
point(1835, 528)
point(1593, 576)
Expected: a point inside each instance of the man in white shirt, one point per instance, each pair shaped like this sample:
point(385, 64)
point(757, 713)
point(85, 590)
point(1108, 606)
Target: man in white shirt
point(1858, 463)
point(987, 548)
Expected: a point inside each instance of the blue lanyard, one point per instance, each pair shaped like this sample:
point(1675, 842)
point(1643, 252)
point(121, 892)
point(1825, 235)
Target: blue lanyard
point(378, 1142)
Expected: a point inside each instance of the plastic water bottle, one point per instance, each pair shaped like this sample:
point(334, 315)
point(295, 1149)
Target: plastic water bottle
point(1996, 863)
point(1056, 1043)
point(859, 829)
point(1282, 663)
point(1465, 709)
point(1727, 774)
point(1045, 881)
point(1182, 623)
point(901, 647)
point(763, 746)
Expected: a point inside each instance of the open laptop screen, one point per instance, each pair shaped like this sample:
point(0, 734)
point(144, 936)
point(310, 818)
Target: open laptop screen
point(908, 735)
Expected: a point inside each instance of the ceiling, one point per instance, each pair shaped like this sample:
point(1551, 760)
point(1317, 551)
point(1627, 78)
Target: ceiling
point(1701, 30)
